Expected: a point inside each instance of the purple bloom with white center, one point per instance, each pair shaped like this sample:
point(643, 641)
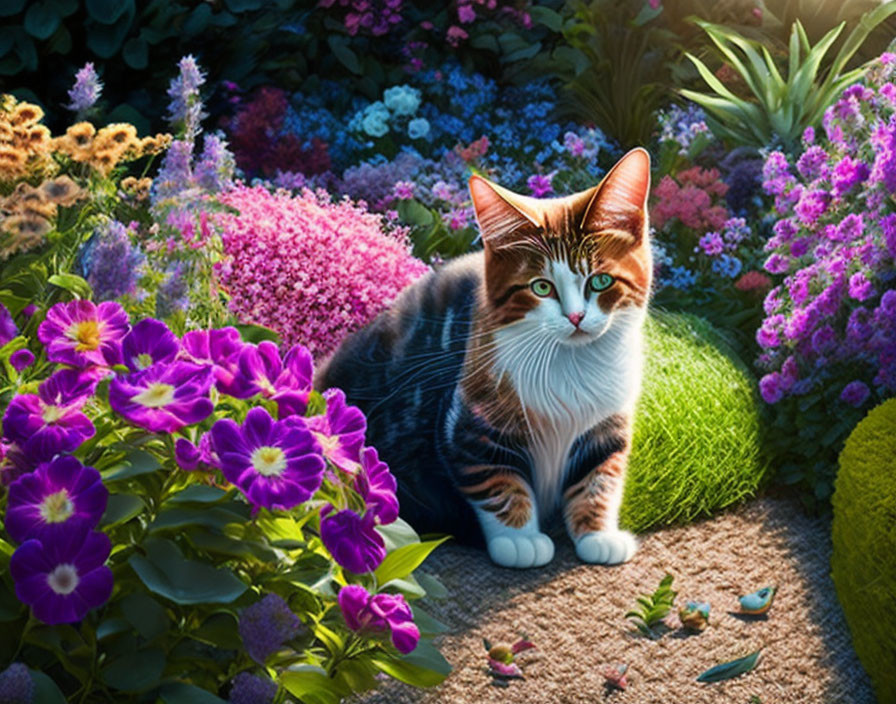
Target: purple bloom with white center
point(16, 685)
point(86, 90)
point(165, 397)
point(83, 334)
point(21, 359)
point(58, 497)
point(352, 540)
point(276, 464)
point(855, 393)
point(64, 579)
point(149, 342)
point(340, 431)
point(262, 371)
point(8, 328)
point(266, 625)
point(219, 349)
point(371, 613)
point(252, 689)
point(51, 421)
point(377, 486)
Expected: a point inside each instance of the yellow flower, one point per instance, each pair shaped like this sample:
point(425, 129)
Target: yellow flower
point(121, 133)
point(39, 138)
point(62, 191)
point(138, 188)
point(105, 160)
point(26, 114)
point(22, 233)
point(12, 163)
point(81, 133)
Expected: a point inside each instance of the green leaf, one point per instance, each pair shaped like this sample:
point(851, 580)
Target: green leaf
point(108, 11)
point(197, 493)
point(414, 213)
point(220, 630)
point(243, 5)
point(165, 572)
point(136, 463)
point(347, 57)
point(135, 672)
point(730, 669)
point(311, 685)
point(135, 52)
point(257, 333)
point(121, 508)
point(45, 689)
point(408, 672)
point(42, 20)
point(401, 562)
point(145, 614)
point(398, 534)
point(216, 517)
point(433, 586)
point(112, 627)
point(546, 16)
point(72, 283)
point(8, 8)
point(428, 624)
point(183, 693)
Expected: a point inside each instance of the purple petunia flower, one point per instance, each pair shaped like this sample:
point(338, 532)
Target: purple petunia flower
point(64, 579)
point(352, 540)
point(540, 184)
point(266, 625)
point(163, 398)
point(340, 431)
point(13, 463)
point(21, 359)
point(287, 381)
point(251, 689)
point(365, 612)
point(219, 349)
point(149, 341)
point(82, 334)
point(59, 497)
point(276, 464)
point(8, 329)
point(855, 393)
point(186, 454)
point(377, 486)
point(711, 243)
point(51, 421)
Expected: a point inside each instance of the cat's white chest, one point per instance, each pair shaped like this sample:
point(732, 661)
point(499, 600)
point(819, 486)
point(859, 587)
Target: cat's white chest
point(571, 389)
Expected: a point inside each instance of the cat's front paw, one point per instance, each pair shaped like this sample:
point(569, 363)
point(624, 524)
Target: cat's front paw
point(606, 547)
point(521, 550)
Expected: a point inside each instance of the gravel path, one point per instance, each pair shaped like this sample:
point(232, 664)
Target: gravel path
point(574, 614)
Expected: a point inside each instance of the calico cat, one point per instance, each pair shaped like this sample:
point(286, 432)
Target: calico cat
point(500, 387)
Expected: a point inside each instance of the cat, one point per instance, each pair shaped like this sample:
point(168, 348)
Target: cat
point(500, 387)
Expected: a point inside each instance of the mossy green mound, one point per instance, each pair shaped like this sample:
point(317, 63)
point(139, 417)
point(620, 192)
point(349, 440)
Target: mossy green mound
point(864, 535)
point(697, 428)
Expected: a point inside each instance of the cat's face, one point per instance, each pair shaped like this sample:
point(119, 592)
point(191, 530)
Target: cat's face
point(568, 268)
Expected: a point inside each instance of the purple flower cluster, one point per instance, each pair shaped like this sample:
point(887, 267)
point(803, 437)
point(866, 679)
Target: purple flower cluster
point(266, 625)
point(185, 106)
point(832, 317)
point(373, 613)
point(86, 91)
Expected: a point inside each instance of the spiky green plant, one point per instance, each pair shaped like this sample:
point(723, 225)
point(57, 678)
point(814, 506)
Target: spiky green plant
point(653, 608)
point(783, 107)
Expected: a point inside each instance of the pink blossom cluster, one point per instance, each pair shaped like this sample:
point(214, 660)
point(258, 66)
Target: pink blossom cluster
point(691, 198)
point(308, 268)
point(377, 17)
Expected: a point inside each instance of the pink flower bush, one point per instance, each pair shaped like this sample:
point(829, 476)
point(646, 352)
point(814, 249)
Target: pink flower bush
point(312, 270)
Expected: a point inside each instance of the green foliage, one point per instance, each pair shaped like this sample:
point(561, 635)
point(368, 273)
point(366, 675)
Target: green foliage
point(431, 235)
point(781, 108)
point(616, 68)
point(863, 563)
point(653, 608)
point(697, 440)
point(731, 669)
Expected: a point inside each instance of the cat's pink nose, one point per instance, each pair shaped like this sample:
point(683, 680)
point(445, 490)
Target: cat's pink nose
point(575, 318)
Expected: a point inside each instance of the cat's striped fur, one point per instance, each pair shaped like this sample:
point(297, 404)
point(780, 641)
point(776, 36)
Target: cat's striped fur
point(498, 408)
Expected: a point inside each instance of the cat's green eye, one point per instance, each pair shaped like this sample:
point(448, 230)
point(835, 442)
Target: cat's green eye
point(600, 282)
point(542, 287)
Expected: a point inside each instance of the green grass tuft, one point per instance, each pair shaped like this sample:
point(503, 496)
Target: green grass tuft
point(697, 441)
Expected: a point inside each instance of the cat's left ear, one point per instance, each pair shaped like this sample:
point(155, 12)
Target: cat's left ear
point(619, 204)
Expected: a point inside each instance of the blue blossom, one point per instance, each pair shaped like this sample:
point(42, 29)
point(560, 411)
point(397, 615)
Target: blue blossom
point(402, 100)
point(726, 265)
point(418, 127)
point(16, 685)
point(110, 262)
point(251, 689)
point(214, 170)
point(185, 106)
point(266, 625)
point(681, 277)
point(375, 119)
point(173, 295)
point(86, 91)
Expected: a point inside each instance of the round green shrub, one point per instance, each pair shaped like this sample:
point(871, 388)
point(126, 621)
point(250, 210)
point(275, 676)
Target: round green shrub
point(697, 441)
point(864, 536)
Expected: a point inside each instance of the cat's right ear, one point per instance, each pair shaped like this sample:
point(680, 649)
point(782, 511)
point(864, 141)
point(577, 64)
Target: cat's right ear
point(501, 213)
